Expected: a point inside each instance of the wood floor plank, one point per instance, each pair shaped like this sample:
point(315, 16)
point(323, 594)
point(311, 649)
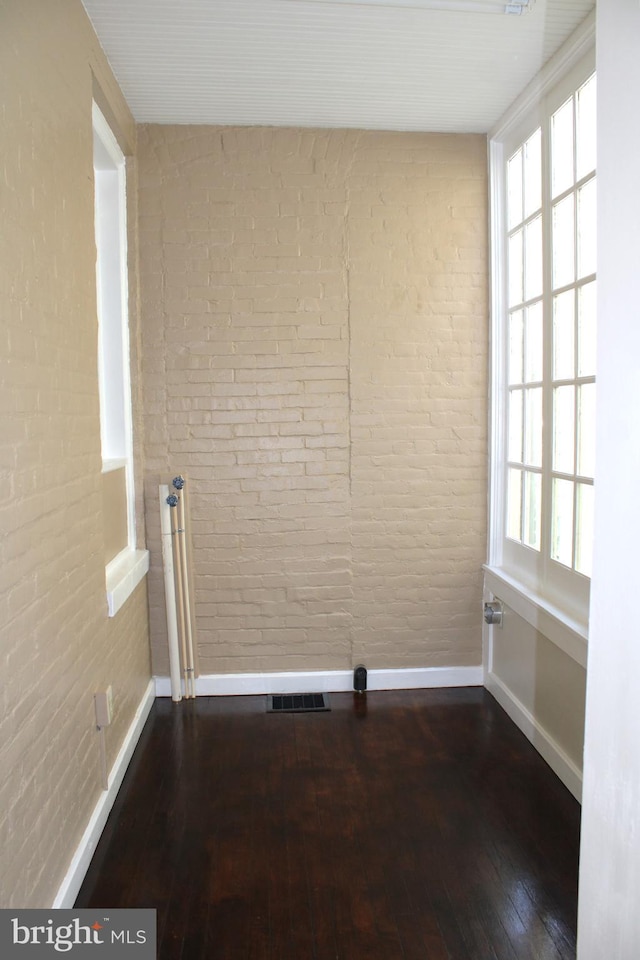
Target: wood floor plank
point(412, 825)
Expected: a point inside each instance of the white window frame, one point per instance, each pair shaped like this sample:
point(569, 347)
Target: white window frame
point(128, 568)
point(538, 587)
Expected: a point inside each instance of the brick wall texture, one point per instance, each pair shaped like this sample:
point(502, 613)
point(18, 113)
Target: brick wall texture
point(57, 644)
point(314, 357)
point(314, 329)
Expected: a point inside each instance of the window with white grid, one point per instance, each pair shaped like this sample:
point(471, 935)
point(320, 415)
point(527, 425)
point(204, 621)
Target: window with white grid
point(545, 386)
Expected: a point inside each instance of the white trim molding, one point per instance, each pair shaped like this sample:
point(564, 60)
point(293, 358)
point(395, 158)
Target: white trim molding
point(327, 681)
point(70, 886)
point(570, 53)
point(568, 634)
point(123, 575)
point(548, 748)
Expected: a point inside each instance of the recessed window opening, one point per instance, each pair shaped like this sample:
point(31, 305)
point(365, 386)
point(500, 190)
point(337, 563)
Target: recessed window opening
point(125, 566)
point(113, 320)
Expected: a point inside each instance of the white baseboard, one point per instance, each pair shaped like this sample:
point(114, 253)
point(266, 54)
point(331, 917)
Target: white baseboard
point(66, 896)
point(547, 747)
point(327, 681)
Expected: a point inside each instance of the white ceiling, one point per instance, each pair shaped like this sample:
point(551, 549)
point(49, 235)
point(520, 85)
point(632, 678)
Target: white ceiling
point(323, 64)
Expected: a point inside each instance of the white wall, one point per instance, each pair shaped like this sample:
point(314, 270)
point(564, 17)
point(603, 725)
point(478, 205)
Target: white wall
point(609, 918)
point(542, 689)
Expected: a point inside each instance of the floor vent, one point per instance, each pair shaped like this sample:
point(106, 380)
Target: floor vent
point(297, 703)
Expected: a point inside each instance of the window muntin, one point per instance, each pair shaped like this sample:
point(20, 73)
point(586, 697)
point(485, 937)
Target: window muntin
point(549, 386)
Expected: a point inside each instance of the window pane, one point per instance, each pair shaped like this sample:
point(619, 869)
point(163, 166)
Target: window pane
point(533, 347)
point(532, 508)
point(516, 334)
point(551, 335)
point(515, 268)
point(562, 148)
point(514, 189)
point(533, 259)
point(586, 429)
point(587, 229)
point(563, 428)
point(533, 427)
point(584, 528)
point(532, 174)
point(586, 128)
point(563, 242)
point(587, 330)
point(514, 504)
point(562, 522)
point(563, 336)
point(514, 453)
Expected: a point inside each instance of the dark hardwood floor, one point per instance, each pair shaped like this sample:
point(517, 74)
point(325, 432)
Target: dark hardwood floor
point(412, 825)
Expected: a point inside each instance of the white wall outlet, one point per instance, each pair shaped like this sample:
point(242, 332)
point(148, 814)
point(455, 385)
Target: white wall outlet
point(104, 706)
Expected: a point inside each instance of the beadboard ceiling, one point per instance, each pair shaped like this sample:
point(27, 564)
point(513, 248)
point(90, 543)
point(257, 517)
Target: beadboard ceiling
point(326, 64)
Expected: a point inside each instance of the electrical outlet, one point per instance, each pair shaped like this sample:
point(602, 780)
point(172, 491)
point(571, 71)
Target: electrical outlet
point(104, 706)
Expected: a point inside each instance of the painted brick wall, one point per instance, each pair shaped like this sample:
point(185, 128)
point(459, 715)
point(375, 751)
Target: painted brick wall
point(57, 645)
point(314, 344)
point(416, 232)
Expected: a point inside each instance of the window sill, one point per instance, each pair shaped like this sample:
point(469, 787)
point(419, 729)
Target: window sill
point(569, 634)
point(123, 575)
point(108, 466)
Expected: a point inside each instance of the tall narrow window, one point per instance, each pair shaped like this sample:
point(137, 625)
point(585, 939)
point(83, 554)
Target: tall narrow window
point(124, 565)
point(546, 321)
point(573, 256)
point(525, 343)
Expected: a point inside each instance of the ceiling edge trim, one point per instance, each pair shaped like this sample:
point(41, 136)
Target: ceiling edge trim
point(581, 41)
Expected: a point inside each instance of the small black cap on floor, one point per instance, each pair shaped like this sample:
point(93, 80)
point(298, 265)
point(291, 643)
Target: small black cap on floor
point(360, 678)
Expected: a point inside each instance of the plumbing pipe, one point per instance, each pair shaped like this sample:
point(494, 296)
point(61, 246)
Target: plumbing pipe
point(169, 593)
point(493, 612)
point(182, 544)
point(177, 559)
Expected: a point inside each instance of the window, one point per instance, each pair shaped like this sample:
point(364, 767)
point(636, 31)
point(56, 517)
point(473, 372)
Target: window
point(125, 566)
point(525, 344)
point(544, 232)
point(573, 257)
